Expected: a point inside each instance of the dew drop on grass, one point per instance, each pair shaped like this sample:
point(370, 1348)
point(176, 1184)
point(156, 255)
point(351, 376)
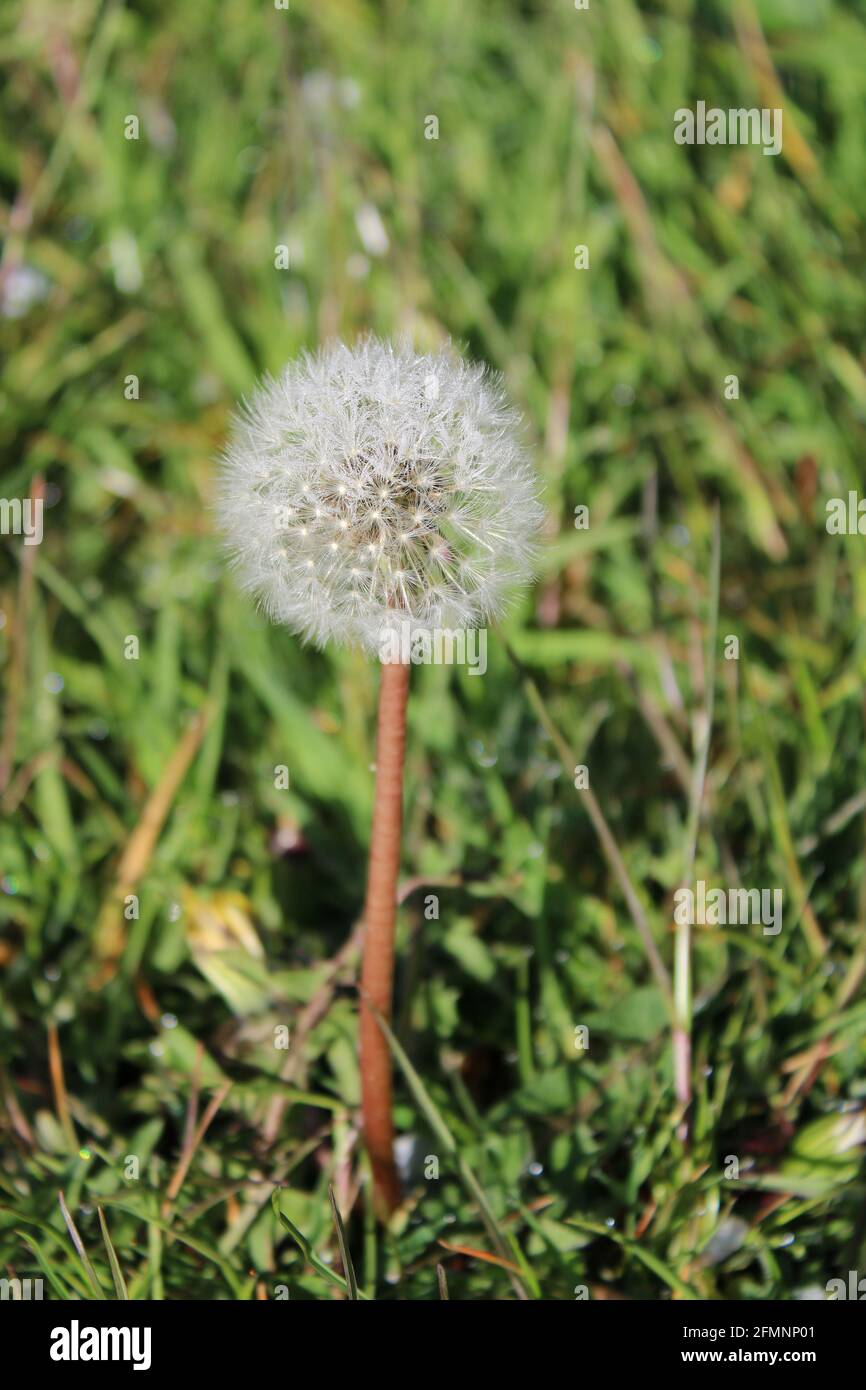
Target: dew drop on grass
point(483, 754)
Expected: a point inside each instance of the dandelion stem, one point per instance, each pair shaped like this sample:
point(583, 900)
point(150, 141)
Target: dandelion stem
point(380, 910)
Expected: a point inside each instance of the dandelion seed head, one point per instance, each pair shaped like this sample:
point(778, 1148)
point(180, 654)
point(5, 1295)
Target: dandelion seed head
point(353, 497)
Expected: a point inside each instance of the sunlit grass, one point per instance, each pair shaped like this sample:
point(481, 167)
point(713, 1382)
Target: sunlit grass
point(144, 846)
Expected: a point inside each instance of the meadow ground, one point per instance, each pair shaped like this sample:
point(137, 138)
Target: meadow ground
point(434, 168)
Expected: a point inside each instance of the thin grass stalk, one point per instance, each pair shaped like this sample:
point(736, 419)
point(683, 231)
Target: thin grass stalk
point(682, 1027)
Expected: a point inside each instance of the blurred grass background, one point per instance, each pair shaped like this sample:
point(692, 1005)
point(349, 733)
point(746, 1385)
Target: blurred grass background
point(156, 259)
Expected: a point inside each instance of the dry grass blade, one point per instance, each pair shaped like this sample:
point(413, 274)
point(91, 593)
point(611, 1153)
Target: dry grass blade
point(109, 935)
point(58, 1086)
point(191, 1143)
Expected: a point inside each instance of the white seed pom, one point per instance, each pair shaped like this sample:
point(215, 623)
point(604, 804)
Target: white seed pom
point(370, 487)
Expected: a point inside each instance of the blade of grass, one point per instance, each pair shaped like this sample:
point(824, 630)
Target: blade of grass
point(606, 839)
point(116, 1272)
point(682, 1029)
point(58, 1086)
point(79, 1247)
point(44, 1263)
point(309, 1253)
point(348, 1268)
point(200, 1246)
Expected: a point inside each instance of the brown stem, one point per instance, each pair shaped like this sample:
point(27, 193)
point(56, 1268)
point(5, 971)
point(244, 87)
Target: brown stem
point(380, 911)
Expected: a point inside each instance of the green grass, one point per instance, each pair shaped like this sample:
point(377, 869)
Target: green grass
point(263, 128)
